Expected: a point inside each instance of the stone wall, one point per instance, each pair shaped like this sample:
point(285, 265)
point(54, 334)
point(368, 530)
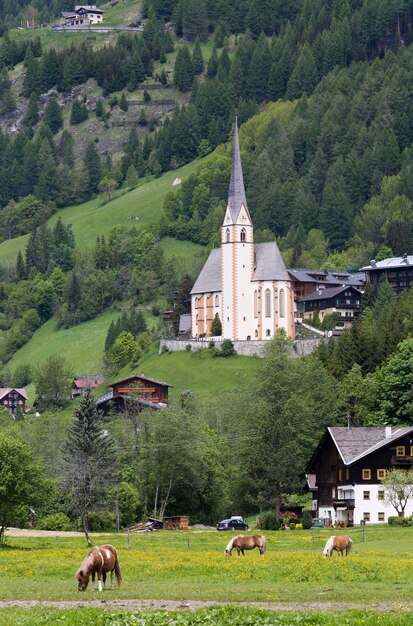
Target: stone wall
point(302, 347)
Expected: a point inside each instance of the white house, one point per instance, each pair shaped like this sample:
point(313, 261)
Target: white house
point(348, 467)
point(245, 284)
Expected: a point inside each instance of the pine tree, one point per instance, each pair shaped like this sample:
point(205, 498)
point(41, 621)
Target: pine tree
point(32, 115)
point(197, 59)
point(110, 336)
point(93, 166)
point(123, 102)
point(212, 67)
point(53, 115)
point(90, 460)
point(183, 70)
point(20, 266)
point(79, 112)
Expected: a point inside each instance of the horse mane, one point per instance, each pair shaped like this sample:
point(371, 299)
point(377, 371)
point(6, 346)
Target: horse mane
point(230, 544)
point(84, 567)
point(328, 548)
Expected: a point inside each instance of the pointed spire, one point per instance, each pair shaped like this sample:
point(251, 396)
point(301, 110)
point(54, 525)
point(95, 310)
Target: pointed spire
point(236, 194)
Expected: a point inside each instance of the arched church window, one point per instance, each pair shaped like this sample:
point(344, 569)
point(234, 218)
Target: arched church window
point(267, 303)
point(255, 303)
point(281, 303)
point(216, 301)
point(268, 332)
point(256, 333)
point(228, 235)
point(243, 234)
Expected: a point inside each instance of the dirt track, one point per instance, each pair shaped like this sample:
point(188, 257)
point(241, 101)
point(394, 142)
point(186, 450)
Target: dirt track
point(190, 605)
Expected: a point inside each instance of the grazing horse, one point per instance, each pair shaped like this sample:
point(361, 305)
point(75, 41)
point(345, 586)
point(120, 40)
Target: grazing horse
point(100, 561)
point(340, 544)
point(244, 542)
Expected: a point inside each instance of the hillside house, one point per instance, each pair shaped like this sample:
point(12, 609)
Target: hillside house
point(306, 282)
point(13, 397)
point(347, 468)
point(83, 15)
point(81, 383)
point(343, 300)
point(397, 270)
point(244, 283)
point(144, 391)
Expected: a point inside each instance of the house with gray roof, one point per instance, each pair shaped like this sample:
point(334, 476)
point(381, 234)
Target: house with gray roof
point(246, 285)
point(397, 270)
point(347, 469)
point(345, 301)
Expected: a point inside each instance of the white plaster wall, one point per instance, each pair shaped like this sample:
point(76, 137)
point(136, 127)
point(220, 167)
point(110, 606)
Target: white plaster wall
point(227, 291)
point(245, 292)
point(374, 505)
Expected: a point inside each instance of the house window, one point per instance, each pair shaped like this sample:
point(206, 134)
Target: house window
point(411, 450)
point(340, 474)
point(380, 516)
point(381, 474)
point(255, 303)
point(228, 235)
point(366, 517)
point(267, 303)
point(243, 235)
point(282, 303)
point(366, 474)
point(216, 301)
point(366, 495)
point(400, 451)
point(380, 494)
point(347, 474)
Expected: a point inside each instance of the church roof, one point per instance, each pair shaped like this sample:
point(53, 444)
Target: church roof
point(236, 193)
point(268, 262)
point(209, 278)
point(268, 266)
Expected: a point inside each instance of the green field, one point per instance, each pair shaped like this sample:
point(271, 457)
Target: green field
point(191, 566)
point(94, 218)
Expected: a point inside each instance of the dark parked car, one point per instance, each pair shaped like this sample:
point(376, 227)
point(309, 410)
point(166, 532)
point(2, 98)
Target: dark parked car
point(233, 523)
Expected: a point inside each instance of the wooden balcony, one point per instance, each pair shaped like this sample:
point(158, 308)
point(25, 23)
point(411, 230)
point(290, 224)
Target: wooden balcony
point(348, 503)
point(401, 460)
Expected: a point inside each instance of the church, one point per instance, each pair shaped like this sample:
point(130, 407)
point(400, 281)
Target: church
point(245, 285)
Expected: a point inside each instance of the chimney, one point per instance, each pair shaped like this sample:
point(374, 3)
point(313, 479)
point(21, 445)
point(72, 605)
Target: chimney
point(387, 432)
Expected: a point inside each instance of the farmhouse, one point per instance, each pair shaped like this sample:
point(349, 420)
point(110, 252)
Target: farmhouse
point(245, 285)
point(13, 397)
point(81, 383)
point(397, 270)
point(347, 470)
point(140, 390)
point(83, 15)
point(346, 301)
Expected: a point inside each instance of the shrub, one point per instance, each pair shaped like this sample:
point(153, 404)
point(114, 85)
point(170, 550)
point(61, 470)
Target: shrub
point(55, 521)
point(292, 525)
point(164, 349)
point(227, 348)
point(395, 520)
point(188, 347)
point(269, 522)
point(102, 520)
point(298, 526)
point(307, 520)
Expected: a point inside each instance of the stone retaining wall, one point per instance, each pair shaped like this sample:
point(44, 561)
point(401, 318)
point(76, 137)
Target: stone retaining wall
point(302, 347)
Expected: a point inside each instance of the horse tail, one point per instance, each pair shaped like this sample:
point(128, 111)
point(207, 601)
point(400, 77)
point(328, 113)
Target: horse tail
point(117, 571)
point(350, 544)
point(264, 544)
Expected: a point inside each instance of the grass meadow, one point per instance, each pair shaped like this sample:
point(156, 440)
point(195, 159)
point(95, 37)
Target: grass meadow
point(191, 565)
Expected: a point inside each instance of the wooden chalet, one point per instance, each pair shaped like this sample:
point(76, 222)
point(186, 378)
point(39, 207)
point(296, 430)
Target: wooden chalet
point(146, 392)
point(81, 383)
point(397, 270)
point(13, 397)
point(83, 15)
point(347, 468)
point(343, 300)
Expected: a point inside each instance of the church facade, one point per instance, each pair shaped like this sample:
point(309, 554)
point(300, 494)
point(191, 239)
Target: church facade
point(245, 285)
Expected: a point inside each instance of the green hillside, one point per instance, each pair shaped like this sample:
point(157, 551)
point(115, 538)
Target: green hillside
point(90, 219)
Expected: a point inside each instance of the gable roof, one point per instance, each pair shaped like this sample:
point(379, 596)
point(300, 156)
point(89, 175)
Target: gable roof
point(140, 377)
point(236, 192)
point(355, 443)
point(83, 382)
point(332, 278)
point(326, 294)
point(268, 266)
point(4, 391)
point(400, 261)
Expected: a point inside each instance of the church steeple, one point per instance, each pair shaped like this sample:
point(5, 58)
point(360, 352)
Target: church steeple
point(236, 194)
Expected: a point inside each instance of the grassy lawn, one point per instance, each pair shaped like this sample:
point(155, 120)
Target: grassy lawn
point(123, 13)
point(94, 218)
point(192, 566)
point(81, 345)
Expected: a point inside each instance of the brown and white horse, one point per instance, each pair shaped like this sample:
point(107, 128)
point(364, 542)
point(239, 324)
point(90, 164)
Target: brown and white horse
point(246, 542)
point(100, 561)
point(340, 544)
